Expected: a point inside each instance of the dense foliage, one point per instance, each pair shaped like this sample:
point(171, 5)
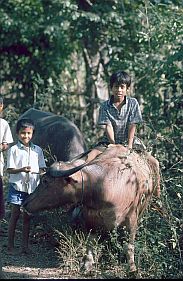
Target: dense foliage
point(58, 55)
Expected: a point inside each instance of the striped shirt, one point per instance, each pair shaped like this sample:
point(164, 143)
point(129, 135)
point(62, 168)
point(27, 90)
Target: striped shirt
point(130, 113)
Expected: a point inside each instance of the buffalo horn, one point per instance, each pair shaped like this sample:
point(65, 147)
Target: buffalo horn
point(64, 173)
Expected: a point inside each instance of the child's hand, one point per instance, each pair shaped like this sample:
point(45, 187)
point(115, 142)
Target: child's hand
point(26, 169)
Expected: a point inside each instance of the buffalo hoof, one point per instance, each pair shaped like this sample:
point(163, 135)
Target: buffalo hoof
point(88, 262)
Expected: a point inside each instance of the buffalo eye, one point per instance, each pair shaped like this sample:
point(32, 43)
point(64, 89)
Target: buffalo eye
point(70, 180)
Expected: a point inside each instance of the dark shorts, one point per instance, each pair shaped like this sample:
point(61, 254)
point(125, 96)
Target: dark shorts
point(16, 197)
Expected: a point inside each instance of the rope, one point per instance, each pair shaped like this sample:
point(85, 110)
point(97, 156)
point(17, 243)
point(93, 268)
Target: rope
point(82, 185)
point(77, 210)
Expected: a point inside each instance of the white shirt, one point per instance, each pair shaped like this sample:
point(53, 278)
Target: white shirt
point(5, 136)
point(19, 156)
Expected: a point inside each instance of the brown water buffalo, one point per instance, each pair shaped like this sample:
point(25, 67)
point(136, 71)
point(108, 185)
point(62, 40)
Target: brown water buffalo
point(59, 135)
point(113, 189)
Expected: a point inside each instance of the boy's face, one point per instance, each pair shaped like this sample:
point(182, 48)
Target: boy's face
point(25, 135)
point(119, 91)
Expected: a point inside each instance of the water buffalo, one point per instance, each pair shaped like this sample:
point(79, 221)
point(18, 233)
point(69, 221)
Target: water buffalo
point(113, 189)
point(59, 135)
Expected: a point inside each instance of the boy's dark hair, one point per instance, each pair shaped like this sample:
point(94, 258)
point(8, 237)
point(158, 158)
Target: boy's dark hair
point(120, 77)
point(25, 123)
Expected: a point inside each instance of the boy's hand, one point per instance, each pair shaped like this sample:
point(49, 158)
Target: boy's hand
point(26, 169)
point(129, 149)
point(3, 147)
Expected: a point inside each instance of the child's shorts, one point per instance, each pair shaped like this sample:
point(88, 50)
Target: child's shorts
point(14, 196)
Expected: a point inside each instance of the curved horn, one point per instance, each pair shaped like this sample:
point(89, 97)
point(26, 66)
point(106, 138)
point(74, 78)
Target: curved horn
point(56, 172)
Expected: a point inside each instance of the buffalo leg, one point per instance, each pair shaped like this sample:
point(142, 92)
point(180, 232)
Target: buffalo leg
point(88, 261)
point(132, 228)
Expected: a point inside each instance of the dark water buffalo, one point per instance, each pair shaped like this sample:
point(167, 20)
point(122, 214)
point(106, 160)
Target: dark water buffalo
point(114, 190)
point(56, 133)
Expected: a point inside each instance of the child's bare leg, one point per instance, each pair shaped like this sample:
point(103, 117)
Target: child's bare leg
point(25, 233)
point(15, 213)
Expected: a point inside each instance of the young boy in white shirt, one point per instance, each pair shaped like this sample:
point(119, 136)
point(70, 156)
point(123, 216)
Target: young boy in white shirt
point(25, 163)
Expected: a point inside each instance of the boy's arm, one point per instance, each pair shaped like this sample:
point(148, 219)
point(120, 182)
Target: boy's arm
point(110, 133)
point(131, 134)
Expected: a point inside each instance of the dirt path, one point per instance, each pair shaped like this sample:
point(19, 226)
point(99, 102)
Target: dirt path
point(43, 262)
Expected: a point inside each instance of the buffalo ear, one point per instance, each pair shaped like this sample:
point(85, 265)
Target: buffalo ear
point(70, 180)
